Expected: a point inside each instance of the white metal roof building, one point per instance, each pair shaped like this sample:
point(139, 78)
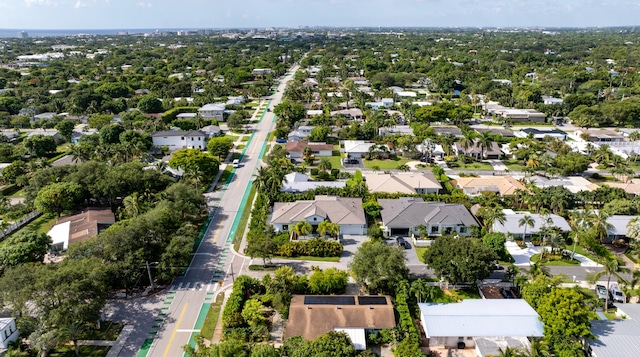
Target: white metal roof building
point(449, 324)
point(617, 338)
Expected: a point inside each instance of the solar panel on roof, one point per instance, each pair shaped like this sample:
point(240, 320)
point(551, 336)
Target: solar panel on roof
point(372, 300)
point(329, 300)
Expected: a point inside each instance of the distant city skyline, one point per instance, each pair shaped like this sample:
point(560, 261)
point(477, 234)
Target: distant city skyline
point(172, 14)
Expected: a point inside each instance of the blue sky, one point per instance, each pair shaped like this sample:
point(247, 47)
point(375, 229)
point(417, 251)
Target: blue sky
point(175, 14)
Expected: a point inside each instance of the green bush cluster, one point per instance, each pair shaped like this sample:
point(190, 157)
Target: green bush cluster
point(172, 114)
point(243, 287)
point(314, 248)
point(409, 346)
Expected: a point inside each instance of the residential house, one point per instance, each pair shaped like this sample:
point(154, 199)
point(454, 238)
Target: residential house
point(211, 130)
point(496, 131)
point(301, 133)
point(10, 134)
point(46, 132)
point(618, 229)
point(186, 116)
point(9, 333)
point(515, 115)
point(397, 129)
point(237, 100)
point(43, 116)
point(356, 316)
point(77, 135)
point(345, 211)
point(382, 104)
point(486, 325)
point(540, 134)
point(404, 215)
point(477, 152)
point(295, 149)
point(352, 113)
point(261, 72)
point(444, 130)
point(601, 135)
point(503, 185)
point(574, 184)
point(358, 149)
point(619, 337)
point(549, 100)
point(631, 186)
point(213, 111)
point(296, 182)
point(402, 182)
point(314, 112)
point(80, 226)
point(179, 139)
point(512, 223)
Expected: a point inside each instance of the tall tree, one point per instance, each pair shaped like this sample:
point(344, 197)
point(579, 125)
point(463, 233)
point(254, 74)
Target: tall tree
point(378, 267)
point(460, 260)
point(526, 221)
point(59, 197)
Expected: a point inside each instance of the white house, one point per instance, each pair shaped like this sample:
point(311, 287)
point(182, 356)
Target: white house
point(511, 224)
point(540, 134)
point(238, 100)
point(178, 139)
point(296, 182)
point(8, 333)
point(301, 133)
point(359, 148)
point(213, 111)
point(483, 324)
point(345, 211)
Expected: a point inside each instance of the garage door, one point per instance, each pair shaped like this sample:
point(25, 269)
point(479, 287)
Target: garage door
point(403, 232)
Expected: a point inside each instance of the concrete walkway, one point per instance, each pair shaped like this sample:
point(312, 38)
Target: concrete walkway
point(120, 342)
point(95, 343)
point(498, 165)
point(522, 256)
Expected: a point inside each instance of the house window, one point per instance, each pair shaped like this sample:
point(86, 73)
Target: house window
point(285, 227)
point(182, 138)
point(460, 338)
point(463, 229)
point(434, 229)
point(469, 338)
point(315, 219)
point(191, 139)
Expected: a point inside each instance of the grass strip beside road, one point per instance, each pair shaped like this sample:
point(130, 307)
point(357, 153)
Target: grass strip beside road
point(314, 259)
point(244, 219)
point(211, 320)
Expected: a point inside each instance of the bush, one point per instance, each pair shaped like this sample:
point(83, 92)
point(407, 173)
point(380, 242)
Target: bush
point(409, 346)
point(314, 171)
point(313, 248)
point(243, 287)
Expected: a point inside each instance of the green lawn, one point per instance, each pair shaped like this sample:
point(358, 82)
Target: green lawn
point(336, 162)
point(390, 164)
point(241, 146)
point(582, 251)
point(480, 166)
point(41, 224)
point(86, 351)
point(420, 252)
point(245, 138)
point(556, 263)
point(211, 320)
point(514, 165)
point(244, 220)
point(18, 194)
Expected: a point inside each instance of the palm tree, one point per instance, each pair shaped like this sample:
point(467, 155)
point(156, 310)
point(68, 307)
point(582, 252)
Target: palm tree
point(490, 215)
point(303, 228)
point(403, 167)
point(72, 332)
point(485, 141)
point(509, 352)
point(420, 288)
point(536, 269)
point(525, 221)
point(467, 141)
point(612, 267)
point(324, 164)
point(537, 349)
point(600, 225)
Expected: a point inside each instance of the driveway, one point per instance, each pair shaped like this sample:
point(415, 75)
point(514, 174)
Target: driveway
point(498, 165)
point(522, 256)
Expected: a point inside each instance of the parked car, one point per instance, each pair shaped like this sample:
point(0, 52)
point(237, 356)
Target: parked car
point(507, 294)
point(402, 243)
point(601, 293)
point(236, 163)
point(618, 295)
point(281, 141)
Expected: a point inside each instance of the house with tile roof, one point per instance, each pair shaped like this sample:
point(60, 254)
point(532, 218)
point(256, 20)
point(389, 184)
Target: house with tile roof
point(404, 215)
point(80, 226)
point(346, 212)
point(295, 149)
point(503, 185)
point(402, 182)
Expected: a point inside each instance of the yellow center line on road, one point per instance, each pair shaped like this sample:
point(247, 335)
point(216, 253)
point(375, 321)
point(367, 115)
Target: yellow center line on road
point(173, 334)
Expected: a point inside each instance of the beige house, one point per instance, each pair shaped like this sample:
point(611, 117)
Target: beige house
point(503, 185)
point(403, 182)
point(346, 212)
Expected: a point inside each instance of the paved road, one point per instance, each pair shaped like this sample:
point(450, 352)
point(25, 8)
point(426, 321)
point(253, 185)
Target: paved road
point(173, 317)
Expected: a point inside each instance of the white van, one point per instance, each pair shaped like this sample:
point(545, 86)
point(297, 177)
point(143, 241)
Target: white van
point(618, 295)
point(236, 163)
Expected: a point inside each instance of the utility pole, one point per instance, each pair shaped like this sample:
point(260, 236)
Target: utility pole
point(153, 286)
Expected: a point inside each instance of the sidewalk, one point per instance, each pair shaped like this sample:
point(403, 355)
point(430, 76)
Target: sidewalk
point(119, 344)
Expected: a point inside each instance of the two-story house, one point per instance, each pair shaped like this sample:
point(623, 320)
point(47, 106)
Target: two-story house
point(213, 111)
point(178, 139)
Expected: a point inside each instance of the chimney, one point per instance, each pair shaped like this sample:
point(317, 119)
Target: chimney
point(370, 307)
point(308, 307)
point(337, 307)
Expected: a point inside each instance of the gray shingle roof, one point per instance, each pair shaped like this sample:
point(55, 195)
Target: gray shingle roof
point(340, 210)
point(408, 212)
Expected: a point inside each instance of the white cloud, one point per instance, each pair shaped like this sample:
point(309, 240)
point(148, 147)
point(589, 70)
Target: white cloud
point(144, 4)
point(80, 4)
point(40, 3)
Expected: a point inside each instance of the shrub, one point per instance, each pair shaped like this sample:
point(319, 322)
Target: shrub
point(313, 248)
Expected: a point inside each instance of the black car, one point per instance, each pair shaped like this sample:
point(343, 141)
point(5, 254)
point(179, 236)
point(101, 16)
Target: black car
point(507, 294)
point(402, 243)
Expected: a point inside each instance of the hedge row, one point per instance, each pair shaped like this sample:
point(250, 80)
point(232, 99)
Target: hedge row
point(410, 344)
point(314, 248)
point(243, 288)
point(172, 114)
